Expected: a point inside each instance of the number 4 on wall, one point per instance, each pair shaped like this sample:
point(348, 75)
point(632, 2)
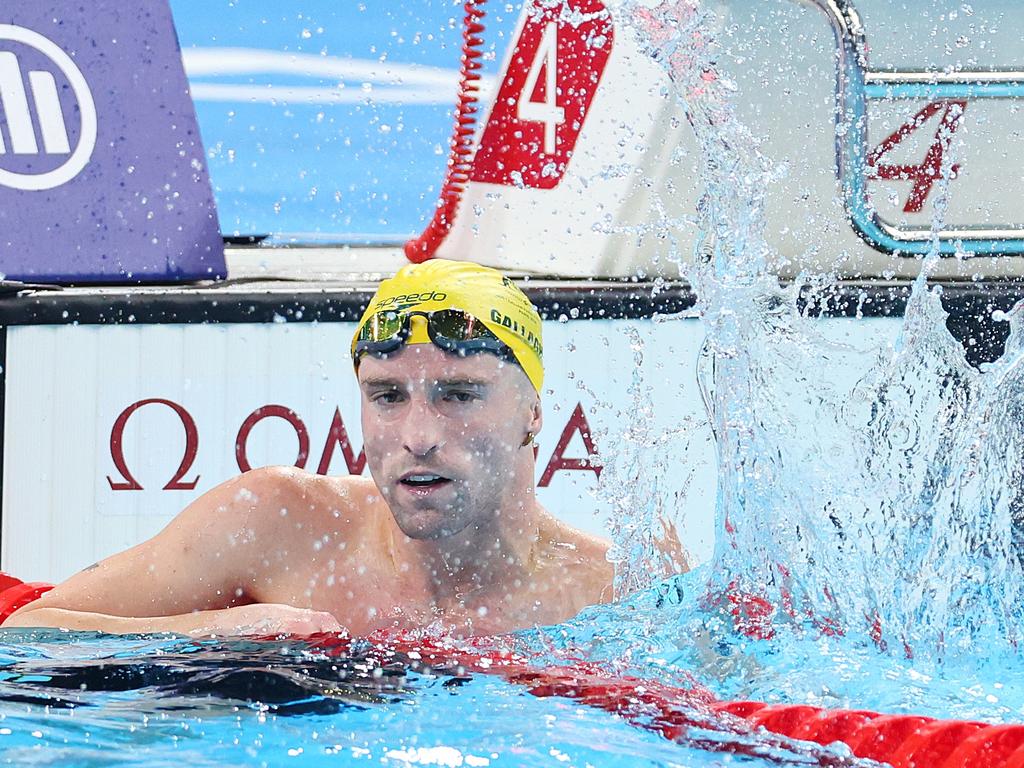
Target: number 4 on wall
point(545, 94)
point(930, 169)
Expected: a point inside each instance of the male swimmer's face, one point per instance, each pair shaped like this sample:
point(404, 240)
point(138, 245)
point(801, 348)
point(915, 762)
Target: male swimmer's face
point(442, 434)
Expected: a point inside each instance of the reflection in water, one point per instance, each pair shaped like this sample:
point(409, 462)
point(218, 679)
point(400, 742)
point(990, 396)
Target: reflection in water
point(288, 679)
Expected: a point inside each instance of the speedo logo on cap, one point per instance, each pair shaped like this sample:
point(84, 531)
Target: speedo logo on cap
point(527, 335)
point(408, 299)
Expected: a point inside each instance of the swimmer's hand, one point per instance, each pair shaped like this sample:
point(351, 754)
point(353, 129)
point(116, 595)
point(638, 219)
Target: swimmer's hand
point(267, 619)
point(255, 619)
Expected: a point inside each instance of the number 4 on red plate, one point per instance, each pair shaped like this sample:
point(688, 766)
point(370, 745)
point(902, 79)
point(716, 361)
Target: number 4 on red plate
point(544, 96)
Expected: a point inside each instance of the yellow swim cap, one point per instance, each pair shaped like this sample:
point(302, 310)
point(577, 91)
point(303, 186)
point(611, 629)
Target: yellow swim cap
point(482, 292)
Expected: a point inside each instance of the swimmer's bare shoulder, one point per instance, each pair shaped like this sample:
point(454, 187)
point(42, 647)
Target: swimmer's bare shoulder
point(328, 527)
point(582, 559)
point(297, 509)
point(599, 572)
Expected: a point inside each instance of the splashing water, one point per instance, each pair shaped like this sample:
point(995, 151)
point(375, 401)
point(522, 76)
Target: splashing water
point(639, 481)
point(883, 508)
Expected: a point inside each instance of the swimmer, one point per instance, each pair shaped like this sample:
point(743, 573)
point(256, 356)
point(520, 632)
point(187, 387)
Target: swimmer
point(448, 531)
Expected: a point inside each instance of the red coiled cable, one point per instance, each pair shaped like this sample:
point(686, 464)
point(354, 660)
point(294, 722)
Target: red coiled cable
point(460, 161)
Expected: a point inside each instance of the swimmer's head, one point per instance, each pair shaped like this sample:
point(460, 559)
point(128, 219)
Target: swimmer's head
point(461, 307)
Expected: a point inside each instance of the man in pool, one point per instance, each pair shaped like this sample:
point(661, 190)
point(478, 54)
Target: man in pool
point(447, 531)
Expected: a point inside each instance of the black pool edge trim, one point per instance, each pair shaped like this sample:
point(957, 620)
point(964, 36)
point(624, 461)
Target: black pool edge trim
point(565, 300)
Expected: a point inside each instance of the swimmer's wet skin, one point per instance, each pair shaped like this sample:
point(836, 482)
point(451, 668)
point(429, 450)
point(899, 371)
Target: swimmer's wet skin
point(449, 359)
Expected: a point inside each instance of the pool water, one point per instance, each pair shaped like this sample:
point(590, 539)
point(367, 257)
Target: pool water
point(91, 699)
point(88, 699)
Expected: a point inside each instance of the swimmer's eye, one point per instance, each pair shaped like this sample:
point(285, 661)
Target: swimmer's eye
point(461, 396)
point(386, 397)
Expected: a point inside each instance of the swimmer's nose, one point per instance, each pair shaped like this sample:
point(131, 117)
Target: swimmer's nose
point(422, 429)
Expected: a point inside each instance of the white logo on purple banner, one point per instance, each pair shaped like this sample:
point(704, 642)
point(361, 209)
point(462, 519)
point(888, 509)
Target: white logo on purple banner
point(53, 127)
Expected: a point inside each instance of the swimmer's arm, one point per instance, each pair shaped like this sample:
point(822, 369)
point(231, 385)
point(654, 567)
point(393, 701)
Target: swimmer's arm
point(255, 619)
point(223, 551)
point(85, 621)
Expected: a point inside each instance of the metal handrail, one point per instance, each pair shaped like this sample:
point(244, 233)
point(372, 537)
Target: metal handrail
point(856, 84)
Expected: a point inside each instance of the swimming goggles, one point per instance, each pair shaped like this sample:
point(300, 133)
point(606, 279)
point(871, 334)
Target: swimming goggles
point(453, 330)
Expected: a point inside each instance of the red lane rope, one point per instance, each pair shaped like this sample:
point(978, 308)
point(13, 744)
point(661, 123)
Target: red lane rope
point(691, 715)
point(903, 741)
point(460, 161)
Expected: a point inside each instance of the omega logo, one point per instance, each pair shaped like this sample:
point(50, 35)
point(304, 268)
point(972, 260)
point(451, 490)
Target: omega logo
point(176, 483)
point(46, 107)
point(337, 440)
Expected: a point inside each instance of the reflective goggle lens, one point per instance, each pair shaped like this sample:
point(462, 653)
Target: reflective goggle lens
point(456, 325)
point(382, 326)
point(450, 329)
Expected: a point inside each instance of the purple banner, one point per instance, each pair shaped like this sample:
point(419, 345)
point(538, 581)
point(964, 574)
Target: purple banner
point(102, 171)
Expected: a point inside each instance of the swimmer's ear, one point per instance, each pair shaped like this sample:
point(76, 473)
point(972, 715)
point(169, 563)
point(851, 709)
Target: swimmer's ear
point(536, 417)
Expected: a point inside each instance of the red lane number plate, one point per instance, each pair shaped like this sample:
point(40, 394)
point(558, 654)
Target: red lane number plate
point(544, 95)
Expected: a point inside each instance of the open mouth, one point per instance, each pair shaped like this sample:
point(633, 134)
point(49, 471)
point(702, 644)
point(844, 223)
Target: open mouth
point(423, 481)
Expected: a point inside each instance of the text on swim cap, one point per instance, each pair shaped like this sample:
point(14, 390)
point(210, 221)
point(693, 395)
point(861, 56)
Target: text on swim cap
point(527, 335)
point(409, 299)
